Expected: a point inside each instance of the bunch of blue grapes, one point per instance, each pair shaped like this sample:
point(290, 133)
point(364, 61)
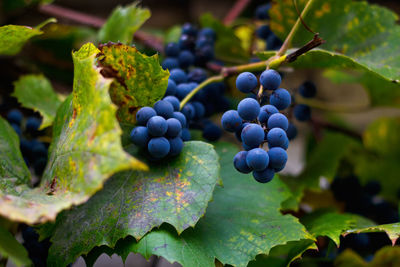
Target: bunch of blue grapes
point(33, 150)
point(255, 125)
point(264, 32)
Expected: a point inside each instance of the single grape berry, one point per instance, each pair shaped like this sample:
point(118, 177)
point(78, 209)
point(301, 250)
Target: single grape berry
point(164, 109)
point(176, 146)
point(14, 116)
point(246, 82)
point(276, 137)
point(16, 128)
point(32, 124)
point(174, 127)
point(170, 63)
point(209, 33)
point(172, 50)
point(277, 158)
point(178, 76)
point(273, 42)
point(189, 29)
point(140, 136)
point(252, 135)
point(263, 32)
point(144, 114)
point(174, 102)
point(278, 120)
point(199, 109)
point(257, 159)
point(185, 59)
point(39, 166)
point(158, 147)
point(211, 132)
point(291, 131)
point(185, 134)
point(308, 89)
point(302, 112)
point(265, 112)
point(39, 150)
point(280, 98)
point(180, 117)
point(157, 126)
point(189, 111)
point(183, 90)
point(231, 121)
point(187, 42)
point(270, 79)
point(197, 75)
point(239, 161)
point(264, 176)
point(262, 12)
point(248, 109)
point(171, 89)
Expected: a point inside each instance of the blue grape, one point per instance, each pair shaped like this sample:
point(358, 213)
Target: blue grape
point(189, 29)
point(15, 116)
point(262, 12)
point(157, 126)
point(291, 131)
point(144, 114)
point(209, 33)
point(178, 76)
point(158, 147)
point(32, 124)
point(183, 90)
point(263, 32)
point(171, 88)
point(211, 132)
point(278, 120)
point(257, 159)
point(174, 102)
point(39, 150)
point(246, 82)
point(186, 136)
point(276, 137)
point(273, 42)
point(277, 158)
point(189, 111)
point(238, 132)
point(204, 54)
point(308, 89)
point(187, 42)
point(185, 59)
point(172, 50)
point(199, 109)
point(252, 135)
point(231, 121)
point(164, 108)
point(280, 98)
point(180, 117)
point(174, 127)
point(39, 166)
point(203, 41)
point(270, 79)
point(170, 63)
point(264, 176)
point(239, 161)
point(140, 136)
point(248, 109)
point(176, 146)
point(197, 75)
point(16, 128)
point(302, 112)
point(246, 147)
point(265, 112)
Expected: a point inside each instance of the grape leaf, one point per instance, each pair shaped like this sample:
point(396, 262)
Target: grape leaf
point(228, 45)
point(139, 79)
point(36, 92)
point(242, 221)
point(333, 224)
point(10, 248)
point(13, 37)
point(366, 33)
point(86, 150)
point(123, 23)
point(392, 230)
point(132, 203)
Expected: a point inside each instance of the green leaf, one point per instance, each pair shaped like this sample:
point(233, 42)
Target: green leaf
point(132, 203)
point(350, 258)
point(366, 33)
point(333, 224)
point(392, 230)
point(10, 248)
point(139, 79)
point(228, 45)
point(242, 221)
point(123, 23)
point(13, 37)
point(35, 92)
point(86, 150)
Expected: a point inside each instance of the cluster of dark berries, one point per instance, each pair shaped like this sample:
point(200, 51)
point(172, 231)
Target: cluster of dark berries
point(33, 151)
point(302, 112)
point(255, 125)
point(264, 32)
point(37, 250)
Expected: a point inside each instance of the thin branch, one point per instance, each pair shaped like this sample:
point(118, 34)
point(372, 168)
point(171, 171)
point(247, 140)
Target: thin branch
point(96, 22)
point(235, 11)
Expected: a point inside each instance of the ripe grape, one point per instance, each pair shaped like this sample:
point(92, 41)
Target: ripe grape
point(302, 112)
point(278, 120)
point(172, 50)
point(262, 12)
point(140, 136)
point(211, 132)
point(308, 89)
point(176, 146)
point(189, 111)
point(158, 147)
point(170, 63)
point(185, 59)
point(164, 108)
point(277, 158)
point(178, 76)
point(144, 114)
point(248, 109)
point(174, 127)
point(187, 42)
point(246, 82)
point(257, 159)
point(189, 29)
point(199, 109)
point(239, 161)
point(209, 33)
point(252, 135)
point(186, 136)
point(263, 32)
point(174, 102)
point(273, 42)
point(270, 79)
point(265, 112)
point(231, 121)
point(171, 88)
point(197, 75)
point(157, 126)
point(280, 98)
point(264, 176)
point(291, 131)
point(276, 137)
point(32, 125)
point(14, 116)
point(180, 117)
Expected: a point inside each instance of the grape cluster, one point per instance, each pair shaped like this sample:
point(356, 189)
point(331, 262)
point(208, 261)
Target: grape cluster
point(33, 150)
point(255, 125)
point(264, 32)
